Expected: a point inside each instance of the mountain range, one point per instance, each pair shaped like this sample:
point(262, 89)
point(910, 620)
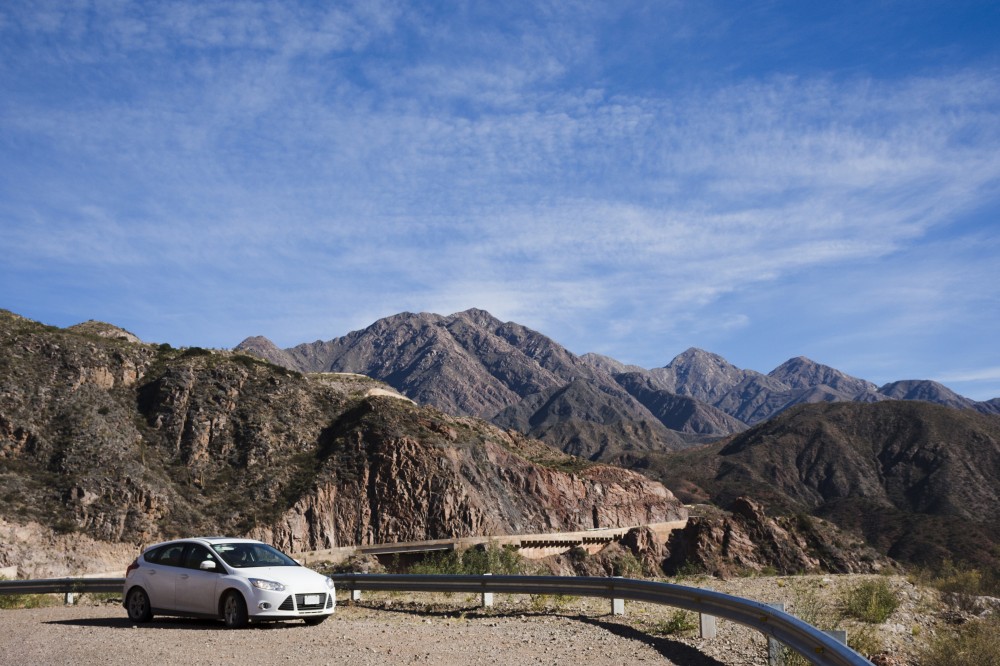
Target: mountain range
point(118, 440)
point(471, 363)
point(910, 467)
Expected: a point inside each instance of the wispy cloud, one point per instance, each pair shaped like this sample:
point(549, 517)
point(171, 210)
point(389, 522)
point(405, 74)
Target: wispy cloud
point(379, 157)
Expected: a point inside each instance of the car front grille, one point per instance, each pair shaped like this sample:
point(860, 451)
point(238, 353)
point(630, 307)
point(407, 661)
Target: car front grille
point(300, 602)
point(287, 604)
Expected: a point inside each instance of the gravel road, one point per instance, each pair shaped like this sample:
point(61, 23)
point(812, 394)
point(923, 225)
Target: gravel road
point(401, 633)
point(437, 630)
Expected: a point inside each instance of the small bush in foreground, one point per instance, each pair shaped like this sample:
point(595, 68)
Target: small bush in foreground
point(872, 601)
point(679, 622)
point(866, 640)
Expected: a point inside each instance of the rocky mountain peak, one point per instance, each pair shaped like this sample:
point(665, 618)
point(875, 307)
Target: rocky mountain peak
point(802, 373)
point(700, 374)
point(262, 347)
point(926, 390)
point(478, 317)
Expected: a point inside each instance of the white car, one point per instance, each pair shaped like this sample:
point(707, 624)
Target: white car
point(238, 580)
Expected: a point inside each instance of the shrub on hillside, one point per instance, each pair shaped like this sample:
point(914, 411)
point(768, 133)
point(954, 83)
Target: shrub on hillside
point(962, 588)
point(480, 560)
point(872, 601)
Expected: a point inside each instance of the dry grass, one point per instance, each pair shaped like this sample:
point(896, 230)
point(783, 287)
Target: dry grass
point(972, 644)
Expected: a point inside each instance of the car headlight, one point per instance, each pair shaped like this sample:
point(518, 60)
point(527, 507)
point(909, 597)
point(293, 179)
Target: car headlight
point(329, 583)
point(267, 585)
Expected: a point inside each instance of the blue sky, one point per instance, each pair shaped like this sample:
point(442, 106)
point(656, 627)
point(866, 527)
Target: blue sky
point(759, 179)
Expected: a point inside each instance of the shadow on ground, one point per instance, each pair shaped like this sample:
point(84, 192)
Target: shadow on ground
point(168, 623)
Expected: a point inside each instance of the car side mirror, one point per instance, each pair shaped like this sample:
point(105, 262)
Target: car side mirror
point(207, 565)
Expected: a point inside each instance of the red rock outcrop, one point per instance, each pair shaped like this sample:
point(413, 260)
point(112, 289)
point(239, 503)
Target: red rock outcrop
point(747, 540)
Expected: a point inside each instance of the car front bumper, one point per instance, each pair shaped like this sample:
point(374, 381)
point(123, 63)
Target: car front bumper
point(271, 605)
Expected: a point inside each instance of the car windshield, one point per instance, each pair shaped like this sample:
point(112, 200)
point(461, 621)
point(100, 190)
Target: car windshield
point(244, 555)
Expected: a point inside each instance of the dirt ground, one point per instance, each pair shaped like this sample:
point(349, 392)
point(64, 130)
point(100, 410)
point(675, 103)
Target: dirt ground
point(388, 628)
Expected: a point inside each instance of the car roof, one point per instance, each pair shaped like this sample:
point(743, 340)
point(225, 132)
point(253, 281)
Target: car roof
point(203, 540)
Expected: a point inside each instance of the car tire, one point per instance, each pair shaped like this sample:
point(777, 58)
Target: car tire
point(313, 621)
point(137, 605)
point(234, 610)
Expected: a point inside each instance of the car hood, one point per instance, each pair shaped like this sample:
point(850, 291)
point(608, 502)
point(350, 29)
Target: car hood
point(296, 577)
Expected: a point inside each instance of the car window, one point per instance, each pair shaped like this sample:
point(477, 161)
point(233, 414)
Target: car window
point(195, 555)
point(244, 555)
point(169, 555)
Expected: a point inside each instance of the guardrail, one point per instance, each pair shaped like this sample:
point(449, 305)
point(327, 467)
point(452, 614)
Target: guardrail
point(61, 585)
point(807, 640)
point(803, 638)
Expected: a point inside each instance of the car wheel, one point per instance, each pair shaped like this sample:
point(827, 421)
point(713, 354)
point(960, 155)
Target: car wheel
point(138, 606)
point(234, 611)
point(313, 621)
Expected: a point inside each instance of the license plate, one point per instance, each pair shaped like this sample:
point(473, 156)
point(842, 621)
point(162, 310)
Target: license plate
point(311, 600)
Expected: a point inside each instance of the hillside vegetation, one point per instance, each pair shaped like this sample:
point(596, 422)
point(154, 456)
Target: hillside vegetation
point(920, 481)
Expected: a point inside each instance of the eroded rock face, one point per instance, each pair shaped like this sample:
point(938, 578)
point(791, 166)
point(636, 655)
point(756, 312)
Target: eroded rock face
point(390, 490)
point(747, 540)
point(647, 548)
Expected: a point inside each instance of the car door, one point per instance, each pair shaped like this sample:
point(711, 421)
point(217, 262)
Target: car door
point(160, 572)
point(195, 589)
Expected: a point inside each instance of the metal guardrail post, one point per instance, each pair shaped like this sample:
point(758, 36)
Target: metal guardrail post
point(775, 653)
point(617, 604)
point(837, 635)
point(706, 625)
point(487, 601)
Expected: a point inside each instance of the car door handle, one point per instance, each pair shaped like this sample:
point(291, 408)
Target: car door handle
point(183, 576)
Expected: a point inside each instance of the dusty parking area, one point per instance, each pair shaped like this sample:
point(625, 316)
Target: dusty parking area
point(439, 629)
point(381, 633)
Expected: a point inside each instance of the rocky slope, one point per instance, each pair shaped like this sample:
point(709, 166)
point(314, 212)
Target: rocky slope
point(586, 419)
point(678, 412)
point(745, 540)
point(128, 442)
point(919, 481)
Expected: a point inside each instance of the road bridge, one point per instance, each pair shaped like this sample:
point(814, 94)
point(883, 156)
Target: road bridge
point(530, 546)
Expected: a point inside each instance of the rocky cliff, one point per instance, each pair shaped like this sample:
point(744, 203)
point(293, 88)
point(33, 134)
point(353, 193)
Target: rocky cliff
point(745, 540)
point(128, 442)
